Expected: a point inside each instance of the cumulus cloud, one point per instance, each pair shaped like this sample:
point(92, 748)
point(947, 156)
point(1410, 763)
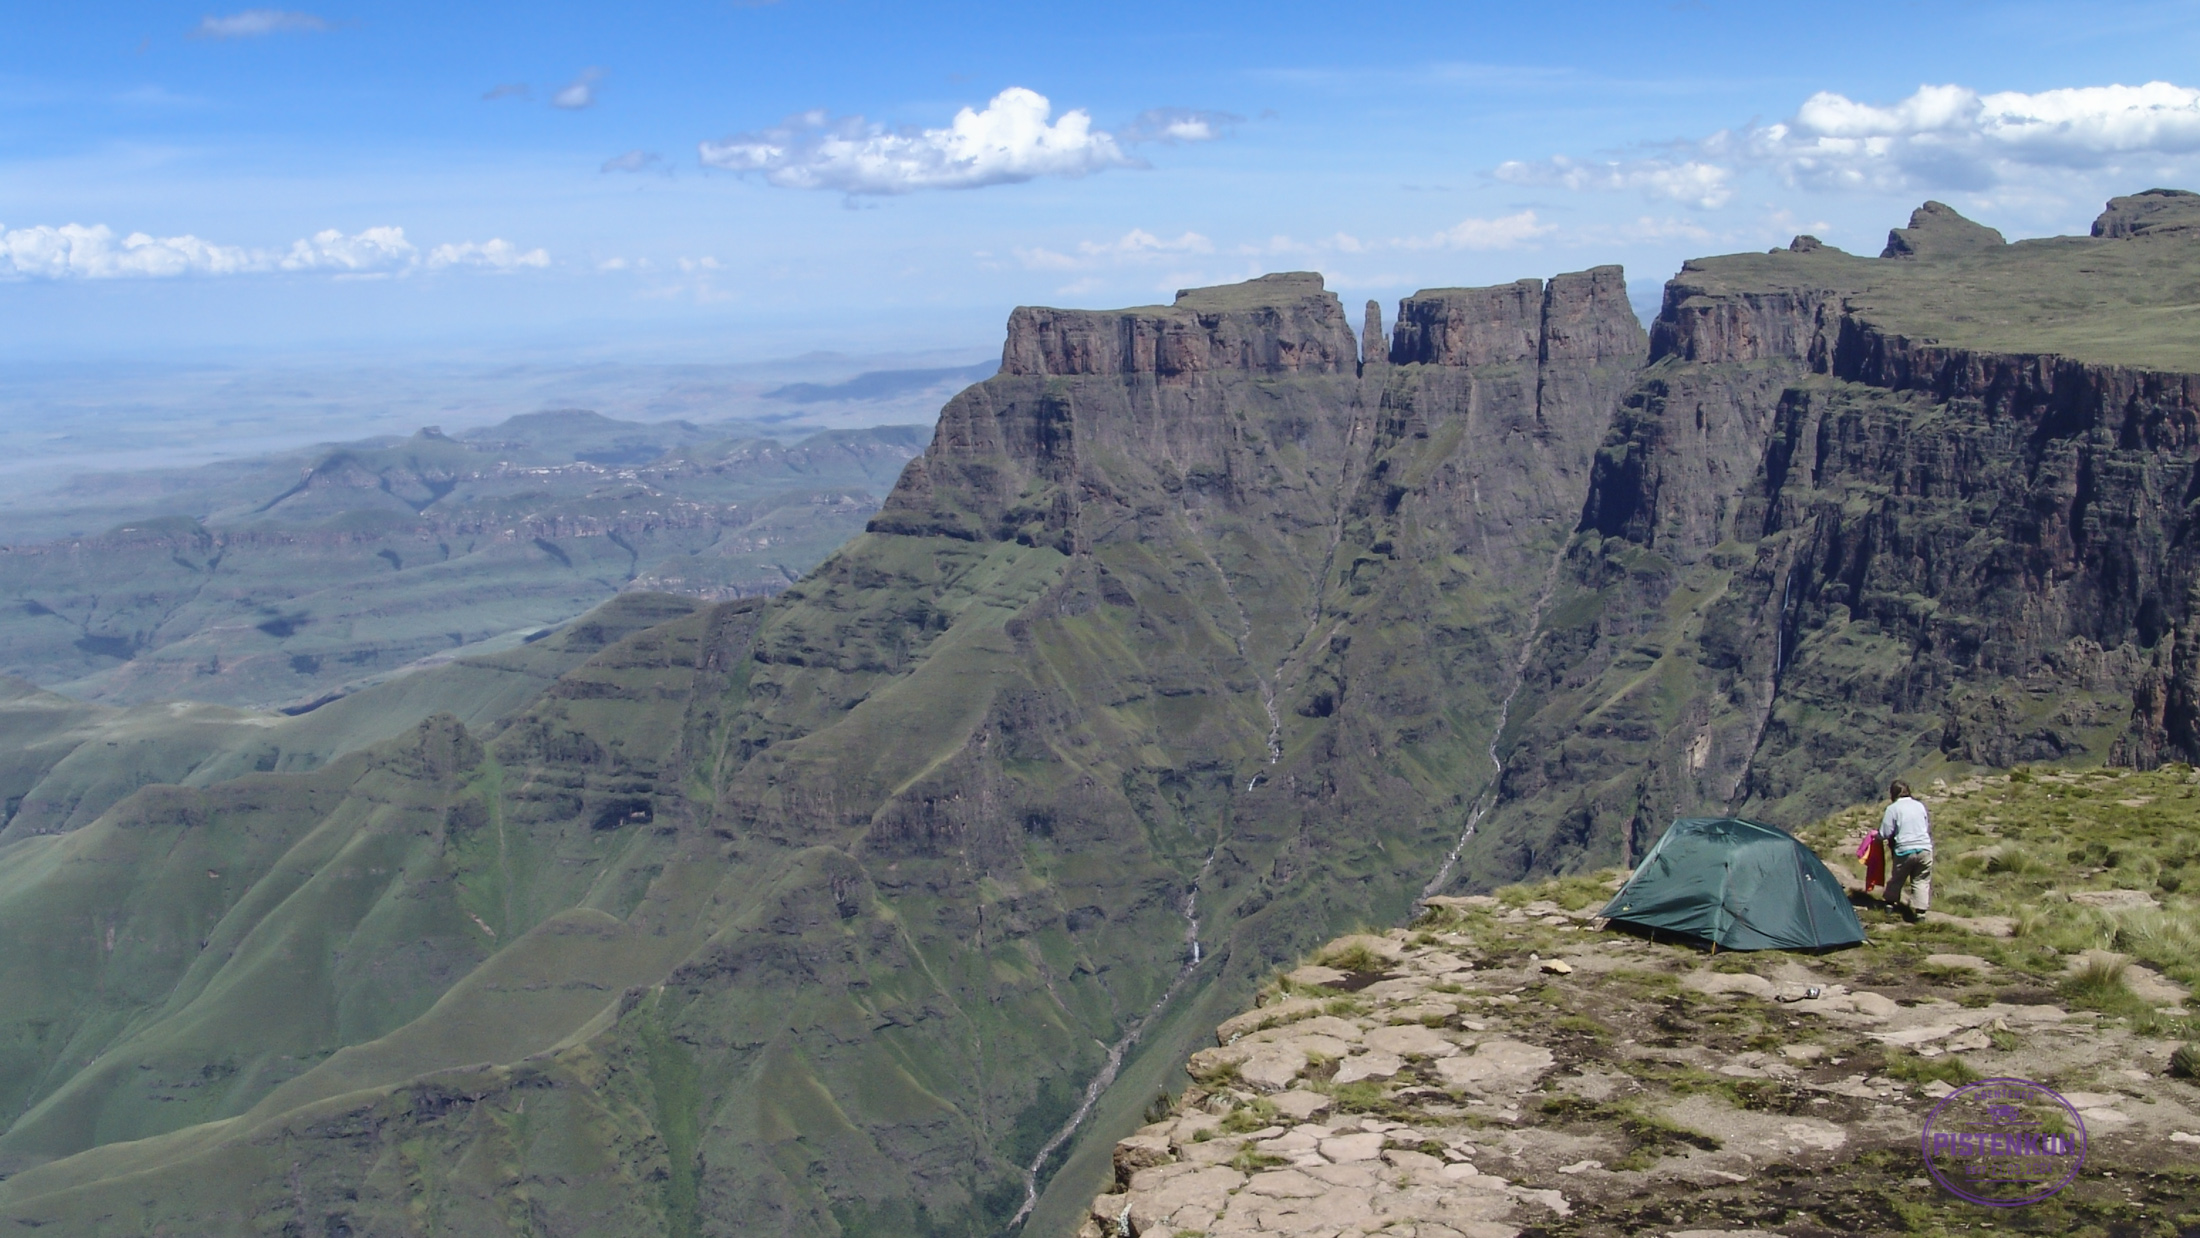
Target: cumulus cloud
point(1135, 247)
point(1956, 137)
point(1692, 181)
point(1012, 140)
point(496, 254)
point(1176, 124)
point(254, 23)
point(374, 250)
point(74, 251)
point(580, 92)
point(1939, 137)
point(1503, 232)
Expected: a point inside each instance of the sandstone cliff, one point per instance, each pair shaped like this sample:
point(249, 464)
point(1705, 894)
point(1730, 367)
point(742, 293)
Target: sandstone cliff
point(1864, 518)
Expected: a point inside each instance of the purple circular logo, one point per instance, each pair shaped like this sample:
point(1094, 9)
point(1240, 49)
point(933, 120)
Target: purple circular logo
point(2004, 1142)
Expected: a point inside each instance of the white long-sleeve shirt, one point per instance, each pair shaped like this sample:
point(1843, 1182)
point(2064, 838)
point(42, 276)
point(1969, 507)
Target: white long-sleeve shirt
point(1906, 826)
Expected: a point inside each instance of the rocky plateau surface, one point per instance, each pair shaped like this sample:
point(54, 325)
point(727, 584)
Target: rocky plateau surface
point(1504, 1067)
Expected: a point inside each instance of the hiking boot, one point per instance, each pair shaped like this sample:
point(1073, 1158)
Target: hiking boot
point(1912, 914)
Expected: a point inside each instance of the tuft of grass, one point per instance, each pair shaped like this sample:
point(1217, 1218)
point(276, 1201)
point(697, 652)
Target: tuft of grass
point(1250, 1116)
point(1368, 1096)
point(2099, 985)
point(1915, 1071)
point(1654, 1136)
point(1216, 1078)
point(1581, 1025)
point(1353, 958)
point(1247, 1161)
point(2184, 1061)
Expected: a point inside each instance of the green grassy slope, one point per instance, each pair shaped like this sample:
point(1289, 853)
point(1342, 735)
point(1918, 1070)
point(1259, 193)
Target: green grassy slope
point(368, 559)
point(818, 916)
point(67, 762)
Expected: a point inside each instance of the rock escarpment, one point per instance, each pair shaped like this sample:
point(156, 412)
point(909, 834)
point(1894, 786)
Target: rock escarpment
point(1863, 518)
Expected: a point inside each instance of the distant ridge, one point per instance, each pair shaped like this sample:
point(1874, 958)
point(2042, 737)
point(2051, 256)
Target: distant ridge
point(881, 384)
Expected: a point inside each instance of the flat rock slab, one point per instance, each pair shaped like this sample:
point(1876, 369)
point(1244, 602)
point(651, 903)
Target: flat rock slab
point(2113, 898)
point(1374, 1064)
point(1344, 1149)
point(1253, 1020)
point(1271, 1068)
point(1319, 1025)
point(1190, 1199)
point(1300, 1104)
point(1969, 962)
point(1411, 1040)
point(1499, 1065)
point(1717, 983)
point(1984, 926)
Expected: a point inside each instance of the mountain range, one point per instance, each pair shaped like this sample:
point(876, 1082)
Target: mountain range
point(1199, 633)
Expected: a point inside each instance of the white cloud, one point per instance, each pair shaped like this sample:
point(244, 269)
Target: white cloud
point(495, 254)
point(1503, 232)
point(374, 250)
point(1939, 137)
point(1135, 247)
point(1691, 181)
point(1954, 136)
point(1010, 141)
point(1176, 124)
point(506, 90)
point(580, 92)
point(253, 23)
point(74, 251)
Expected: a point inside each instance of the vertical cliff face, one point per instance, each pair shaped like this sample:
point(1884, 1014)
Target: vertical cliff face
point(1840, 531)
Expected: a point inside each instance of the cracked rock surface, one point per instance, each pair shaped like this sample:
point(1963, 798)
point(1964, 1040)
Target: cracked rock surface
point(1444, 1080)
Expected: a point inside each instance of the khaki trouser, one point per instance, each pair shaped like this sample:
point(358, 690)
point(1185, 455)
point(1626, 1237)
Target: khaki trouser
point(1917, 870)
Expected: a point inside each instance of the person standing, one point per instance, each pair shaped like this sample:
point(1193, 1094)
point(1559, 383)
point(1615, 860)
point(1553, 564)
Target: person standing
point(1908, 831)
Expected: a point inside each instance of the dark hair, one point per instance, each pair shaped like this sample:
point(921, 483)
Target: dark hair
point(1897, 789)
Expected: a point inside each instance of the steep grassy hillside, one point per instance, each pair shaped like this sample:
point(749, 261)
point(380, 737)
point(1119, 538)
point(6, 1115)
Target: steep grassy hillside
point(1159, 663)
point(64, 762)
point(268, 585)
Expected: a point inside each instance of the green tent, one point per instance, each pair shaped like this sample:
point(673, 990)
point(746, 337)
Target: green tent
point(1742, 885)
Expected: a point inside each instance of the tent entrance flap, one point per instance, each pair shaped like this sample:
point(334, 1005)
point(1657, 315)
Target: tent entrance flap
point(1739, 885)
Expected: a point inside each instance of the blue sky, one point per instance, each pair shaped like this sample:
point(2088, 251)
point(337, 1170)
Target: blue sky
point(722, 180)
